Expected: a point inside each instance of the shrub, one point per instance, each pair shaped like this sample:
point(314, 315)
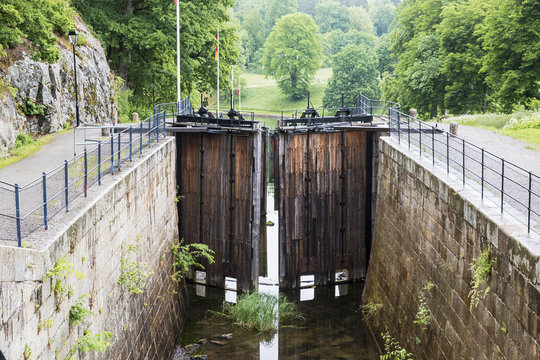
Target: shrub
point(187, 257)
point(481, 268)
point(260, 312)
point(392, 349)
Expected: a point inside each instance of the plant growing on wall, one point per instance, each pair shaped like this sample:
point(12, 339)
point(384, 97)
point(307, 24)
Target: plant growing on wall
point(79, 311)
point(134, 273)
point(187, 257)
point(481, 268)
point(59, 273)
point(423, 316)
point(91, 342)
point(392, 349)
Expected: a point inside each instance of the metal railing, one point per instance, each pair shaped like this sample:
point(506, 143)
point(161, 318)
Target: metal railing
point(24, 209)
point(176, 108)
point(509, 185)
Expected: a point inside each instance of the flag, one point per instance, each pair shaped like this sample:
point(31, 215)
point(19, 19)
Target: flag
point(176, 2)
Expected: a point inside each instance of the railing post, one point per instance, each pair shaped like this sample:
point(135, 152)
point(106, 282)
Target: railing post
point(112, 154)
point(157, 126)
point(165, 124)
point(66, 184)
point(85, 173)
point(409, 132)
point(140, 138)
point(463, 155)
point(502, 186)
point(420, 136)
point(529, 208)
point(447, 153)
point(149, 132)
point(482, 176)
point(44, 180)
point(398, 127)
point(130, 143)
point(119, 150)
point(433, 143)
point(18, 215)
point(99, 164)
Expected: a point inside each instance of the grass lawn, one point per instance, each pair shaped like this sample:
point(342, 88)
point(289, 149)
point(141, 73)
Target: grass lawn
point(261, 95)
point(22, 152)
point(522, 125)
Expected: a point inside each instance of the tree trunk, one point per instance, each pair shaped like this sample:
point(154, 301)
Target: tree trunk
point(434, 110)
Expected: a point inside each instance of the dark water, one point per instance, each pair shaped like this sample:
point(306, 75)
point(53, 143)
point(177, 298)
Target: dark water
point(332, 329)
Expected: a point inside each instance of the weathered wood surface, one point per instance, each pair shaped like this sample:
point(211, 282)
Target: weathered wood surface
point(322, 183)
point(219, 181)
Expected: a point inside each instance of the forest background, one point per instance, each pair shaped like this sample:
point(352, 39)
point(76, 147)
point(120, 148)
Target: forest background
point(439, 56)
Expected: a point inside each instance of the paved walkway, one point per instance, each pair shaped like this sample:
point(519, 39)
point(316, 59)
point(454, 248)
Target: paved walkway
point(50, 157)
point(505, 147)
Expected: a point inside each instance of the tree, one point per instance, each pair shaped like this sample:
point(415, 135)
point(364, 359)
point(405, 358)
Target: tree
point(293, 54)
point(360, 20)
point(330, 15)
point(139, 37)
point(253, 37)
point(511, 38)
point(383, 16)
point(462, 51)
point(354, 72)
point(277, 9)
point(334, 41)
point(36, 21)
point(308, 7)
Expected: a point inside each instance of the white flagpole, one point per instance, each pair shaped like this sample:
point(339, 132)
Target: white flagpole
point(218, 71)
point(232, 85)
point(239, 96)
point(178, 88)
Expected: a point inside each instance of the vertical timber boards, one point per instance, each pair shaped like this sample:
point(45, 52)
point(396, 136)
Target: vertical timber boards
point(219, 181)
point(322, 179)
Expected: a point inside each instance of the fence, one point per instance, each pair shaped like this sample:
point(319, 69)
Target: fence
point(508, 184)
point(25, 209)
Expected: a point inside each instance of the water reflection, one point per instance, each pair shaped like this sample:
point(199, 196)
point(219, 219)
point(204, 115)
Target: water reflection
point(332, 328)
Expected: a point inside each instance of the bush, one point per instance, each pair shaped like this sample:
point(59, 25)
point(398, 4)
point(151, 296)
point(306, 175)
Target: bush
point(23, 139)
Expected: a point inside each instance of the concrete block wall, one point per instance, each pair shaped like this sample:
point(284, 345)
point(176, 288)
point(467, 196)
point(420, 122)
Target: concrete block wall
point(429, 229)
point(135, 206)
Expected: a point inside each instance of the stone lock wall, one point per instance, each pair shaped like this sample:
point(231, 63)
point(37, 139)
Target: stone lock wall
point(134, 207)
point(428, 230)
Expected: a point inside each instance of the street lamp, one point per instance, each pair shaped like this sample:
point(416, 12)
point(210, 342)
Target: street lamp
point(73, 38)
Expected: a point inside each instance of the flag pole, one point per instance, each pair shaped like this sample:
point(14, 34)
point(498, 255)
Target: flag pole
point(217, 55)
point(232, 85)
point(178, 88)
point(239, 97)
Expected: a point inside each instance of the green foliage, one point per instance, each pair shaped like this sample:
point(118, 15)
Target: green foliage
point(27, 354)
point(134, 273)
point(260, 312)
point(60, 273)
point(277, 9)
point(511, 38)
point(23, 139)
point(121, 95)
point(371, 309)
point(139, 39)
point(354, 72)
point(360, 20)
point(481, 268)
point(37, 21)
point(30, 108)
point(392, 349)
point(45, 324)
point(253, 35)
point(423, 315)
point(79, 311)
point(383, 16)
point(330, 15)
point(91, 342)
point(187, 257)
point(293, 54)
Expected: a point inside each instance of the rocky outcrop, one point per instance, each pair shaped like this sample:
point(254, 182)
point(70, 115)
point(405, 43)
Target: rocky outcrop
point(39, 97)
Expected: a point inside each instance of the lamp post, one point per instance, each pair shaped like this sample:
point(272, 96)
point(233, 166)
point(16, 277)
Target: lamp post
point(73, 38)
